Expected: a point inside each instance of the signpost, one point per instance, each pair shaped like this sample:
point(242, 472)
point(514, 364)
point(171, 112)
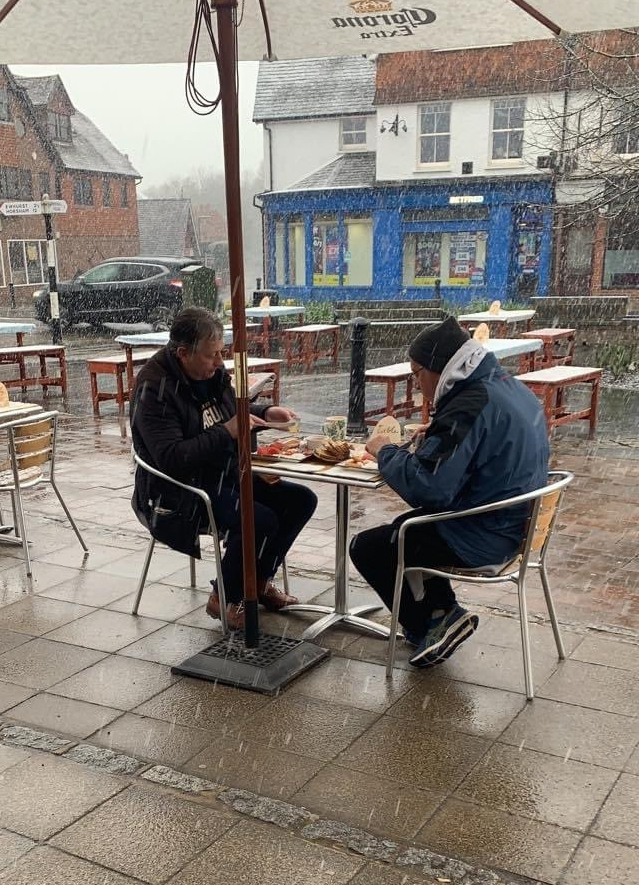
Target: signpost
point(45, 207)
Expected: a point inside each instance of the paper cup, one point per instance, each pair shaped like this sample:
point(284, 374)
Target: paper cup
point(410, 430)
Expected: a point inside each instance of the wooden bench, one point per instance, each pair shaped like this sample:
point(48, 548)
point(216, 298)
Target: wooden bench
point(19, 356)
point(550, 386)
point(391, 376)
point(114, 365)
point(303, 344)
point(558, 348)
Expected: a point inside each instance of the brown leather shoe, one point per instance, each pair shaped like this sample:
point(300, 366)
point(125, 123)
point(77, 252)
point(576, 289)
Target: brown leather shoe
point(234, 612)
point(272, 598)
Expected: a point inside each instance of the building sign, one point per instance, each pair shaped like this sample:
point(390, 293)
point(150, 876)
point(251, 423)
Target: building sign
point(464, 199)
point(376, 19)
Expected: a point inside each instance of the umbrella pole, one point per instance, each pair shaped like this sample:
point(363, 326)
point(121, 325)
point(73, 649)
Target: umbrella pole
point(227, 67)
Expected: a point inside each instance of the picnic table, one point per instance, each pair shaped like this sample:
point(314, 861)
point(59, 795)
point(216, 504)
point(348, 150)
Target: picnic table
point(503, 319)
point(18, 355)
point(266, 314)
point(17, 329)
point(397, 373)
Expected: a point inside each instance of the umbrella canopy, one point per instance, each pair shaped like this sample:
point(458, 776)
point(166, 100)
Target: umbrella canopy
point(122, 32)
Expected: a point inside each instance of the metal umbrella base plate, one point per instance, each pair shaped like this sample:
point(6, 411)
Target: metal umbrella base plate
point(268, 668)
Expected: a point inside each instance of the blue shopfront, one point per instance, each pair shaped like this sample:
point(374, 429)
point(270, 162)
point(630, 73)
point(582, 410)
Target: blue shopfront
point(485, 239)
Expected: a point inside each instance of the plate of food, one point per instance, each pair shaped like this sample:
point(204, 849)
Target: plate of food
point(361, 461)
point(281, 450)
point(332, 451)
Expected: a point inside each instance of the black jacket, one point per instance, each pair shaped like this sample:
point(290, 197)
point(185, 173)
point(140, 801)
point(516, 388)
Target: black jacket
point(168, 433)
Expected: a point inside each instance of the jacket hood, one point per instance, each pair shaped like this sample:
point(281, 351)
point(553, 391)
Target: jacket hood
point(488, 367)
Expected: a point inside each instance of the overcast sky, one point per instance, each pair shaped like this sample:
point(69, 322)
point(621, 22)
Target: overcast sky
point(142, 109)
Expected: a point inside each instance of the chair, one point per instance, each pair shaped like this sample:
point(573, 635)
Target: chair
point(202, 495)
point(31, 446)
point(544, 503)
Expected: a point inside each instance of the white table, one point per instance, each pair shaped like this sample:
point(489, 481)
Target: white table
point(274, 311)
point(17, 329)
point(503, 319)
point(500, 347)
point(344, 480)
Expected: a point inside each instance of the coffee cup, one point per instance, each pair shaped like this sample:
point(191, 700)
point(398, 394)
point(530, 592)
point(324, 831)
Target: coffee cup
point(410, 430)
point(334, 427)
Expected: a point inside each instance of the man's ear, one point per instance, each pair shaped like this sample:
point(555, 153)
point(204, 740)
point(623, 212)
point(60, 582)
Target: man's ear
point(181, 352)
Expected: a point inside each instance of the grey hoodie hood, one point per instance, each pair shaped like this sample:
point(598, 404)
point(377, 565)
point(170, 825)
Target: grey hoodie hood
point(459, 367)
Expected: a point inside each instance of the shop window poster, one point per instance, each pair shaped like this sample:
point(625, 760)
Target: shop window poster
point(326, 255)
point(427, 259)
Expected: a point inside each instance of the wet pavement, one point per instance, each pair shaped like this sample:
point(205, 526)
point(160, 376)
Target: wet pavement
point(431, 777)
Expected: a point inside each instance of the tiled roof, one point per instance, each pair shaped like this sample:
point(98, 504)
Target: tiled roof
point(91, 151)
point(317, 87)
point(39, 89)
point(163, 226)
point(535, 66)
point(349, 170)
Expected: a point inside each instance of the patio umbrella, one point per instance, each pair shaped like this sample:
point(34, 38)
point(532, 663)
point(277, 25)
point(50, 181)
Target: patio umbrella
point(118, 31)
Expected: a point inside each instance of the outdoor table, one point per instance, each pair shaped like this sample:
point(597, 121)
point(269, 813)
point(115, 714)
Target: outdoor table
point(266, 313)
point(559, 347)
point(261, 364)
point(17, 329)
point(344, 479)
point(502, 348)
point(502, 320)
point(151, 339)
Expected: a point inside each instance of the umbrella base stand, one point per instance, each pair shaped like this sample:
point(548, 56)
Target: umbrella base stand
point(267, 668)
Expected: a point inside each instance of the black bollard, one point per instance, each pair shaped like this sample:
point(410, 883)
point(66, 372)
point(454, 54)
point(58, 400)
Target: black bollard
point(356, 392)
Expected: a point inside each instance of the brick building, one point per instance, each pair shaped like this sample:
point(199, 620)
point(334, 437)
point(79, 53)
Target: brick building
point(47, 146)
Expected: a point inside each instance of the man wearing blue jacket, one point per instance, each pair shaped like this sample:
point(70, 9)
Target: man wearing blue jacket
point(487, 440)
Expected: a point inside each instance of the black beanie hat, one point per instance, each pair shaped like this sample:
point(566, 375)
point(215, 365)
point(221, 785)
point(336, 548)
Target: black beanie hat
point(436, 344)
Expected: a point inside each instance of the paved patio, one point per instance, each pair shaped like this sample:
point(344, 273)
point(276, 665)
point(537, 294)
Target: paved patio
point(452, 762)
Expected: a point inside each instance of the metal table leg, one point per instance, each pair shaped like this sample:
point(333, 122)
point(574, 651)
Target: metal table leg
point(340, 612)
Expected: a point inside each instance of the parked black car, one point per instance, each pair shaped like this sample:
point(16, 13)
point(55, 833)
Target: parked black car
point(131, 290)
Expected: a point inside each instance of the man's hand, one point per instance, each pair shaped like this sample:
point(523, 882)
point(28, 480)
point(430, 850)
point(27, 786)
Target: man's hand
point(232, 426)
point(375, 443)
point(279, 415)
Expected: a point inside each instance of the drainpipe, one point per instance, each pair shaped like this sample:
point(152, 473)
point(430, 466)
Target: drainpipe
point(269, 132)
point(260, 205)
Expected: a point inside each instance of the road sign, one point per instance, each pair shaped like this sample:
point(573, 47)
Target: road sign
point(34, 207)
point(16, 208)
point(54, 206)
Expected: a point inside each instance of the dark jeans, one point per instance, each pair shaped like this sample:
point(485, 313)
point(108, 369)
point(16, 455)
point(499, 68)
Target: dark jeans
point(374, 555)
point(281, 512)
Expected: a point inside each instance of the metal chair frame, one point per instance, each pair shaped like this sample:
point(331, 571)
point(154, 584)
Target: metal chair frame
point(38, 450)
point(535, 534)
point(202, 495)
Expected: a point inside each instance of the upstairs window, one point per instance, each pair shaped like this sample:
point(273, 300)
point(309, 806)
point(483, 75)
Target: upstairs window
point(59, 126)
point(124, 196)
point(106, 193)
point(5, 115)
point(83, 191)
point(626, 137)
point(508, 128)
point(43, 178)
point(15, 184)
point(352, 133)
point(434, 133)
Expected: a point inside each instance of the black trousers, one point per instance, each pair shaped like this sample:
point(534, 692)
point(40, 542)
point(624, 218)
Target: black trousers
point(281, 512)
point(374, 555)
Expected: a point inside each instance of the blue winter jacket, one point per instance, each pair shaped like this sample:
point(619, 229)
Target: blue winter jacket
point(487, 440)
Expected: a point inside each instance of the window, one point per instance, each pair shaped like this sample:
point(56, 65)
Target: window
point(27, 261)
point(352, 133)
point(43, 179)
point(326, 252)
point(106, 193)
point(626, 138)
point(457, 258)
point(358, 253)
point(83, 191)
point(15, 183)
point(434, 133)
point(103, 273)
point(621, 265)
point(133, 273)
point(290, 235)
point(59, 126)
point(508, 128)
point(124, 196)
point(5, 114)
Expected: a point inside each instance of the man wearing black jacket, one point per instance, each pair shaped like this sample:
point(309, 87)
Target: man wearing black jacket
point(184, 423)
